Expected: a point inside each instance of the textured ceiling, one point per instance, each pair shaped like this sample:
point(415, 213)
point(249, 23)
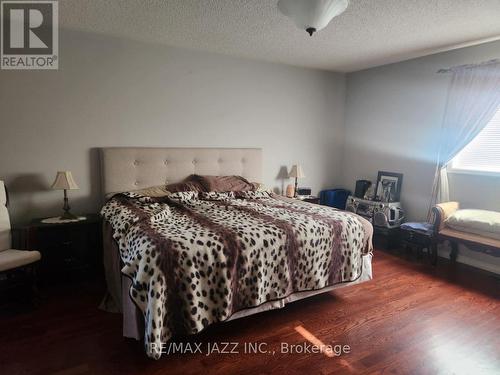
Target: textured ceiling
point(369, 33)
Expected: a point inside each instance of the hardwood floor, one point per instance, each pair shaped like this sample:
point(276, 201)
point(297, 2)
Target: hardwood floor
point(411, 319)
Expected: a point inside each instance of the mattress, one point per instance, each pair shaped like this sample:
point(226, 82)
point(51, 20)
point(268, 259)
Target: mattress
point(194, 259)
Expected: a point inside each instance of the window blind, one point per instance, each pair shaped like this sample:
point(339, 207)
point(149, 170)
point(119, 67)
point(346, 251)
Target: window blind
point(483, 153)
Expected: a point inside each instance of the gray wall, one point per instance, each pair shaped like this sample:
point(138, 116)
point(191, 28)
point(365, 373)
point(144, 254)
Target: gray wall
point(115, 92)
point(393, 116)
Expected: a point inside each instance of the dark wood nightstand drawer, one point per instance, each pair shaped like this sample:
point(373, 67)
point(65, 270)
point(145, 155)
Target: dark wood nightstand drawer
point(388, 238)
point(69, 250)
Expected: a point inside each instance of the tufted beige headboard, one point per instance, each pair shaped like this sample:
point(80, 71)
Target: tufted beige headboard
point(132, 168)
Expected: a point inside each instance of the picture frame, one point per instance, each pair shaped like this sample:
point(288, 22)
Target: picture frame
point(388, 186)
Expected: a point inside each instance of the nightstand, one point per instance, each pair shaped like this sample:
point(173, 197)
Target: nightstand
point(310, 199)
point(388, 238)
point(69, 250)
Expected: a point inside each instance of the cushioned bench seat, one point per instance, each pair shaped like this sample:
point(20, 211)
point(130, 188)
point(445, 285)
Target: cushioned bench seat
point(11, 258)
point(443, 212)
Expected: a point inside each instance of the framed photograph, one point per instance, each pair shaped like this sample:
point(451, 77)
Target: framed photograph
point(389, 186)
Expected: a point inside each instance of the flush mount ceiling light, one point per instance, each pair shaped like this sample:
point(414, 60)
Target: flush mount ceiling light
point(312, 15)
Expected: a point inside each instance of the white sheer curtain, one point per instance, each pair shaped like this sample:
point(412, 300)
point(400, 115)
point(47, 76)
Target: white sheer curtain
point(473, 99)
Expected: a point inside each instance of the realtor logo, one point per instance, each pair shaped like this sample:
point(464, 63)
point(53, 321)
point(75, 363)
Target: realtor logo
point(30, 35)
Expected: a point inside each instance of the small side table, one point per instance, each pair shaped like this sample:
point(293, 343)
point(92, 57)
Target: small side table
point(419, 236)
point(388, 238)
point(310, 199)
point(69, 250)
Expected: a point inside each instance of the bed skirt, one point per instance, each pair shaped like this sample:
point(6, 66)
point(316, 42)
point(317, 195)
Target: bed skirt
point(117, 298)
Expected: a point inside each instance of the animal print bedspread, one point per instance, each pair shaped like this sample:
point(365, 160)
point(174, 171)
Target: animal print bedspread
point(197, 258)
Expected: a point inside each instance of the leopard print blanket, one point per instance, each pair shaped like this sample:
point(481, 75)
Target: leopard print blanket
point(197, 258)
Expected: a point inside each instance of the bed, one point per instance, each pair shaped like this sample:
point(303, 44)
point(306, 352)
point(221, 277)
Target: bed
point(179, 262)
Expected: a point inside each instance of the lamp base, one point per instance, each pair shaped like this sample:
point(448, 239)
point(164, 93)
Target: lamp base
point(67, 215)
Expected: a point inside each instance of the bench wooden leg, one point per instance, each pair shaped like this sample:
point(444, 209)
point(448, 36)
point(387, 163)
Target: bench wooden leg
point(433, 248)
point(454, 251)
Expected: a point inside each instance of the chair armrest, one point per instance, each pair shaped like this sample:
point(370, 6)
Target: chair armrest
point(443, 211)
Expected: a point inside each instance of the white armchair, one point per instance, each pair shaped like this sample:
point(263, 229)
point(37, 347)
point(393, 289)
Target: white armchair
point(11, 259)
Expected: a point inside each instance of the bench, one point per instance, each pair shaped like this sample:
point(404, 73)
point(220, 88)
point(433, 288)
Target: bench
point(475, 242)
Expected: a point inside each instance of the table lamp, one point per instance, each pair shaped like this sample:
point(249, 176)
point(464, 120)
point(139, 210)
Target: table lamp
point(64, 181)
point(297, 173)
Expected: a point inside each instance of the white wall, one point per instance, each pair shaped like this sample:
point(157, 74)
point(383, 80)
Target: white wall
point(115, 92)
point(393, 116)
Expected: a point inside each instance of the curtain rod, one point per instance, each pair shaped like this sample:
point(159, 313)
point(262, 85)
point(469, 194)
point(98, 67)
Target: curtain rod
point(451, 69)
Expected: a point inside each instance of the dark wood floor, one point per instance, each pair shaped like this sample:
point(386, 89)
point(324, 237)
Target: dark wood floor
point(411, 319)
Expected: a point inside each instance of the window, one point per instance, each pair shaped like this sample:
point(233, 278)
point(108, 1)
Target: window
point(483, 153)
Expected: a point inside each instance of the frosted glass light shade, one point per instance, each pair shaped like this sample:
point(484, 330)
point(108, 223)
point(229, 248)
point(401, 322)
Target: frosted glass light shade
point(64, 181)
point(297, 172)
point(312, 15)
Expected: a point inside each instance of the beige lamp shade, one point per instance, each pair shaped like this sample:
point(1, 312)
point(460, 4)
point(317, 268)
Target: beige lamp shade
point(64, 181)
point(297, 171)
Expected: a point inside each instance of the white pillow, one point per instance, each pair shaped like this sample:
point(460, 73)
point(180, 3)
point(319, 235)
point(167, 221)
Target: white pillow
point(482, 222)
